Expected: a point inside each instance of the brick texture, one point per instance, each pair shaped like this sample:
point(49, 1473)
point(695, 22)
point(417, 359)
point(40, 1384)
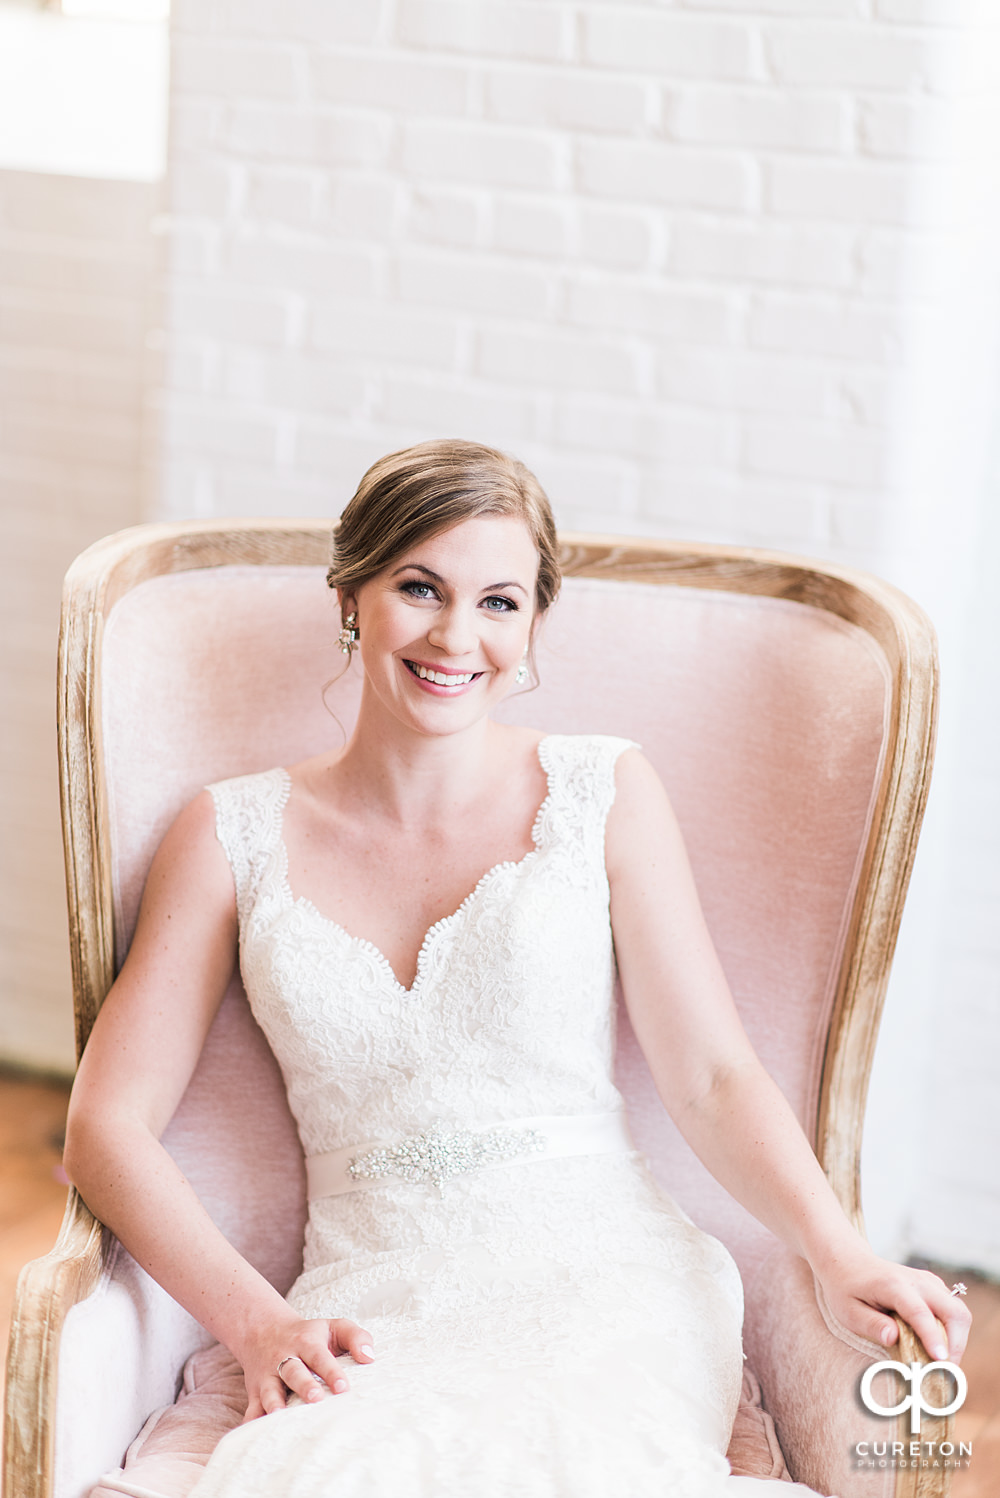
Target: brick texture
point(555, 195)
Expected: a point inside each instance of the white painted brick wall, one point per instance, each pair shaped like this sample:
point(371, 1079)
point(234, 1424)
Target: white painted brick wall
point(591, 196)
point(488, 28)
point(702, 264)
point(860, 56)
point(759, 118)
point(76, 263)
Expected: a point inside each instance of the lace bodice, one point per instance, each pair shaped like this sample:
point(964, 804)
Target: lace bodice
point(489, 1298)
point(510, 1012)
point(510, 1016)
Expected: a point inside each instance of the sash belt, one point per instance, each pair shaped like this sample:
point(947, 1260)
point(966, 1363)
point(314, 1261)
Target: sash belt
point(440, 1152)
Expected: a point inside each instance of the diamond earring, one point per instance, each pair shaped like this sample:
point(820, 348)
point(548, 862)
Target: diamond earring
point(521, 674)
point(349, 635)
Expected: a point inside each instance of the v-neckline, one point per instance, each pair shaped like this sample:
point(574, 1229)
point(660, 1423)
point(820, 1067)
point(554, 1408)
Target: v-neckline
point(302, 902)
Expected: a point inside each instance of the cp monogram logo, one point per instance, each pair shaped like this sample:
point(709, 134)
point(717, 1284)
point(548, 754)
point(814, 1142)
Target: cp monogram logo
point(914, 1375)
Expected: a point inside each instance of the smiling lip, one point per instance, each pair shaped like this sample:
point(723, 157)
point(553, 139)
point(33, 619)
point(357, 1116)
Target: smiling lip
point(434, 679)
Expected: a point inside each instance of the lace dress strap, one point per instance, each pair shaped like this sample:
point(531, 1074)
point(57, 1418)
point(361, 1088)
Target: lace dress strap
point(248, 812)
point(581, 772)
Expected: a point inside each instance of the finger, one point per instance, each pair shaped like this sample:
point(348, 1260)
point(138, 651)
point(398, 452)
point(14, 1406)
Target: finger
point(254, 1410)
point(931, 1333)
point(350, 1337)
point(874, 1324)
point(271, 1394)
point(325, 1366)
point(309, 1383)
point(888, 1333)
point(954, 1315)
point(917, 1313)
point(958, 1324)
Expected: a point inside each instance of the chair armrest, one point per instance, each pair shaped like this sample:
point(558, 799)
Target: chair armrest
point(95, 1346)
point(46, 1290)
point(810, 1371)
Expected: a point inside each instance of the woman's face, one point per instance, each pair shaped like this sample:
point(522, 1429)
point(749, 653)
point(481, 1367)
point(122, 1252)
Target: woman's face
point(444, 628)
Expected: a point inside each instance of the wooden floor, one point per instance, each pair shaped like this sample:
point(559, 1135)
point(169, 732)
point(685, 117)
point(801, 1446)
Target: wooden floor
point(32, 1196)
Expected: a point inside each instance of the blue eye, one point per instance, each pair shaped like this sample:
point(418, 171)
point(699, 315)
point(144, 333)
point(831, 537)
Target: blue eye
point(498, 604)
point(417, 589)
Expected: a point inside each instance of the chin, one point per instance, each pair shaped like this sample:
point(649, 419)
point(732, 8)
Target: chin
point(446, 717)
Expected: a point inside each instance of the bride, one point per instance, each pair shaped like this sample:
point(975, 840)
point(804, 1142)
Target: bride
point(496, 1298)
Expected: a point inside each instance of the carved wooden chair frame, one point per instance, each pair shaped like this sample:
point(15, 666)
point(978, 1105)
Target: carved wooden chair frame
point(49, 1286)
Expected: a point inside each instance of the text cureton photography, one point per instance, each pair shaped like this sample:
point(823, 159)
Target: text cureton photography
point(899, 1454)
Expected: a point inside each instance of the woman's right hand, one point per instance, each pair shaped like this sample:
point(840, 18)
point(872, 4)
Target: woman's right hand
point(307, 1352)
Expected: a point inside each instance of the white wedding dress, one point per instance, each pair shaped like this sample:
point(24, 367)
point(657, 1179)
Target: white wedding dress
point(543, 1327)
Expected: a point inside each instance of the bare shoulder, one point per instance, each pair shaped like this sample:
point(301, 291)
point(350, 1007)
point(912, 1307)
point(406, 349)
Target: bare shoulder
point(638, 788)
point(190, 874)
point(641, 824)
point(192, 833)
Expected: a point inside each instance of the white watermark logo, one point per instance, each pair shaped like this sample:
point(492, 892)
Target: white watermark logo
point(914, 1375)
point(899, 1455)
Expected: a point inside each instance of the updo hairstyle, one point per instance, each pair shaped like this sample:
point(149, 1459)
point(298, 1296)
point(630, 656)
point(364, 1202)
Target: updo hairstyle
point(409, 496)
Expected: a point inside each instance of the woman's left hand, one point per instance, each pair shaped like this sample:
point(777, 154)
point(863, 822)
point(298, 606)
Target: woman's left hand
point(864, 1291)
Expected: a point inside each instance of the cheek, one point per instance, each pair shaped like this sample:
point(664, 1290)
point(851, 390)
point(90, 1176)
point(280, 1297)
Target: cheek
point(510, 644)
point(394, 629)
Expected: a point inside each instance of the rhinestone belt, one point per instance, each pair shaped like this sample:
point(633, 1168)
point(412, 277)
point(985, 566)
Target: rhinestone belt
point(438, 1153)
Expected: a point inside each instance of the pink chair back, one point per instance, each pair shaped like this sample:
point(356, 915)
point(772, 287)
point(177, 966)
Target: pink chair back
point(767, 719)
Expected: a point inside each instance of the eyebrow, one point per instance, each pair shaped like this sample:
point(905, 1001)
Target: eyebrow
point(436, 576)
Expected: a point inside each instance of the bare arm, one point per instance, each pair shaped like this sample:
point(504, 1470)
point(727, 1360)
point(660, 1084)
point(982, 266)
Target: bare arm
point(726, 1105)
point(139, 1059)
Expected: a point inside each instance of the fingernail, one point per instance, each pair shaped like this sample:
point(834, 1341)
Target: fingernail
point(887, 1335)
point(340, 1386)
point(313, 1395)
point(369, 1352)
point(940, 1352)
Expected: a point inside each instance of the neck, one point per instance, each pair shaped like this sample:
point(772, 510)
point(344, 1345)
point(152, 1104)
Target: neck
point(413, 778)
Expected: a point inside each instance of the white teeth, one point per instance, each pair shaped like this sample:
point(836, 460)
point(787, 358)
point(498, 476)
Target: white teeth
point(441, 679)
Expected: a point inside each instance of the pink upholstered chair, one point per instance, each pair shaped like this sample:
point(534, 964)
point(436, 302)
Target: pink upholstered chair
point(790, 710)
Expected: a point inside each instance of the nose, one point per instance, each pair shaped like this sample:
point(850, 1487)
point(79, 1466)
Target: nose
point(453, 631)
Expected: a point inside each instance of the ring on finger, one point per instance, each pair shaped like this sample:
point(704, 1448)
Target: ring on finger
point(291, 1358)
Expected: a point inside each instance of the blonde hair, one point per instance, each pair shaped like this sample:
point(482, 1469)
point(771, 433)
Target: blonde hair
point(409, 496)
